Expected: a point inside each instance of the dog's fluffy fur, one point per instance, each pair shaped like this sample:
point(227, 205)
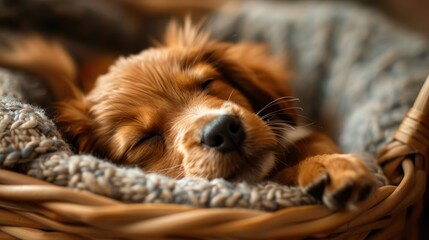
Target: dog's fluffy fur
point(157, 108)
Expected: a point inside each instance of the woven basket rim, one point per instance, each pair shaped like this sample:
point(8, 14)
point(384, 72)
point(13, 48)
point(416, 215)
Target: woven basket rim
point(157, 220)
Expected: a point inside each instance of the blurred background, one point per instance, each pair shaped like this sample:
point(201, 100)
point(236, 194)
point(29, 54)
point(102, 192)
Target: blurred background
point(126, 25)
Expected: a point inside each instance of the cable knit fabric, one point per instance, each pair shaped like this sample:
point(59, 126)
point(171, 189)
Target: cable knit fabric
point(352, 68)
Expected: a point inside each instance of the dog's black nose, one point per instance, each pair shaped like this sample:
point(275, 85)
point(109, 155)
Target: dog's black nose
point(225, 133)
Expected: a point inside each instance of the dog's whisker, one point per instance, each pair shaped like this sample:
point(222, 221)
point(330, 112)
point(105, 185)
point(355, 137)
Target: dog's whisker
point(283, 128)
point(268, 115)
point(230, 95)
point(308, 124)
point(278, 100)
point(274, 102)
point(279, 111)
point(283, 140)
point(281, 124)
point(303, 117)
point(278, 122)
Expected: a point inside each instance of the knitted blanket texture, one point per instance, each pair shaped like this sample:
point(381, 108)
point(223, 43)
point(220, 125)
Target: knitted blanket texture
point(352, 68)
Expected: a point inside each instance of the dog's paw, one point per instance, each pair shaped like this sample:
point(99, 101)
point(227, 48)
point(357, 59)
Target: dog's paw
point(338, 180)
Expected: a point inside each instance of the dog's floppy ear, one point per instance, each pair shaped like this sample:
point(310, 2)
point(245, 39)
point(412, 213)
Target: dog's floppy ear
point(43, 58)
point(75, 123)
point(262, 78)
point(53, 64)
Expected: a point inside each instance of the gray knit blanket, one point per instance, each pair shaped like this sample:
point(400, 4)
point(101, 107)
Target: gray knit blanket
point(353, 69)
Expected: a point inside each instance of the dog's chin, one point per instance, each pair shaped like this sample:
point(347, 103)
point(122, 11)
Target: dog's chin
point(232, 166)
point(254, 172)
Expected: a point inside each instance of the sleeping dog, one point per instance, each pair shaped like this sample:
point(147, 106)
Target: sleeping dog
point(195, 107)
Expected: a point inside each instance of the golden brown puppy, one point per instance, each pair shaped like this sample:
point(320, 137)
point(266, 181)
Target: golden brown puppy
point(196, 107)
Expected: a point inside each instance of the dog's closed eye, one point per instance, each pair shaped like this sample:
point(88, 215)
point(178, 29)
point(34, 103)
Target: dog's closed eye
point(149, 138)
point(207, 83)
point(143, 147)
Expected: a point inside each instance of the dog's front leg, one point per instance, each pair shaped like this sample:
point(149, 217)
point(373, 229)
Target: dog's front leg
point(338, 180)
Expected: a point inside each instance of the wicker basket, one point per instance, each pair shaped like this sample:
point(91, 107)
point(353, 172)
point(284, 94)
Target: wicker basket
point(33, 209)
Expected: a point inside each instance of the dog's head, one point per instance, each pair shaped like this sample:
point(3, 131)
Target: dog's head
point(188, 107)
